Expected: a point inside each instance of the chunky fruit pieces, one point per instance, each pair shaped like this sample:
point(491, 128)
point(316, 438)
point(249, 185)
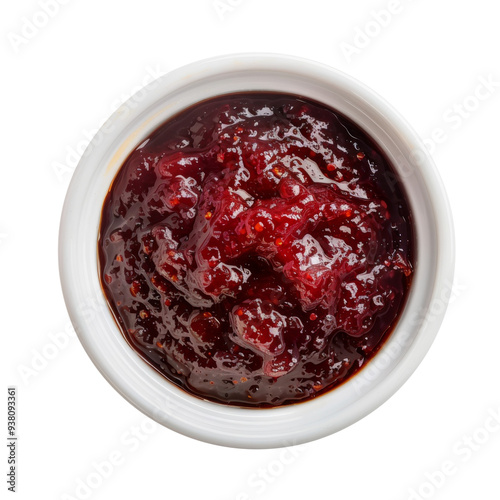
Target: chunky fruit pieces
point(265, 249)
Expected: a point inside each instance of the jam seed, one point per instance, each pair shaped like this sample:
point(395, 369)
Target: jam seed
point(208, 215)
point(360, 155)
point(144, 314)
point(135, 288)
point(115, 236)
point(279, 242)
point(259, 227)
point(313, 317)
point(108, 279)
point(331, 167)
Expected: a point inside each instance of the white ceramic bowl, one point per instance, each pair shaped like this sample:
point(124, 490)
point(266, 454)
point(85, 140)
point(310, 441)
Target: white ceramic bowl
point(147, 389)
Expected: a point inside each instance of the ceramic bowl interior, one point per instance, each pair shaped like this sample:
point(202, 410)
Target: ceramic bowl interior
point(143, 386)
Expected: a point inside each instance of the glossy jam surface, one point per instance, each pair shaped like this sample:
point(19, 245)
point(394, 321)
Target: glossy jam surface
point(256, 249)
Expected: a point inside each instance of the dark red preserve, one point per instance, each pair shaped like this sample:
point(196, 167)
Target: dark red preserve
point(256, 249)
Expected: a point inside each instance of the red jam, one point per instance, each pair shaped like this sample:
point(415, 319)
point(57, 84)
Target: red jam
point(256, 249)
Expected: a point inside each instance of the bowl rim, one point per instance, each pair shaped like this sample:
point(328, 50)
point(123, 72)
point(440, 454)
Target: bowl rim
point(187, 414)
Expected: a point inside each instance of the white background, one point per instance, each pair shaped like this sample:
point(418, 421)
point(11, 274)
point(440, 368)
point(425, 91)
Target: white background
point(61, 80)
